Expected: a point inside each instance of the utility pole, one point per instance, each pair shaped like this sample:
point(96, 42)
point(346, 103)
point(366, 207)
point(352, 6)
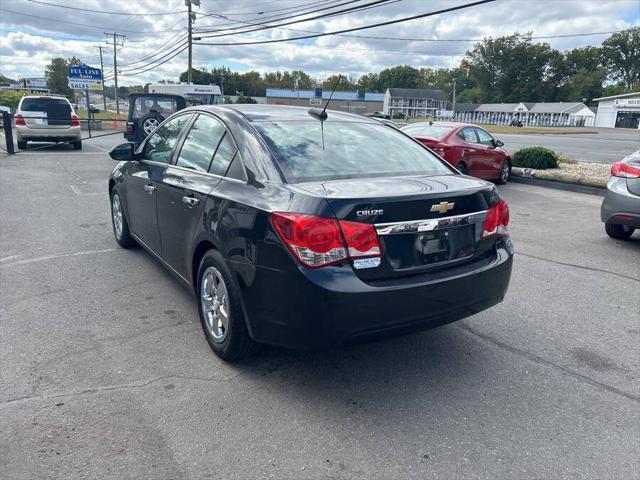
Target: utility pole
point(116, 43)
point(453, 108)
point(104, 98)
point(191, 16)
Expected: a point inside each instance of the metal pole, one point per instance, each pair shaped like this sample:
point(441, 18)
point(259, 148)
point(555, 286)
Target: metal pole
point(454, 99)
point(7, 118)
point(189, 74)
point(86, 94)
point(115, 73)
point(104, 98)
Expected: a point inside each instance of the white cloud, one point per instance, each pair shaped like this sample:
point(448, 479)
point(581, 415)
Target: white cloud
point(36, 33)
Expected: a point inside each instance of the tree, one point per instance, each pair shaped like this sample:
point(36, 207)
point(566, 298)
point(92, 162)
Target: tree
point(621, 53)
point(369, 82)
point(4, 79)
point(510, 68)
point(402, 76)
point(340, 82)
point(56, 75)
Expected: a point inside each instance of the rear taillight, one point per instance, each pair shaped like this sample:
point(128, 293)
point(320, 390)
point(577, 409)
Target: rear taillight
point(75, 121)
point(497, 221)
point(625, 170)
point(320, 241)
point(440, 149)
point(20, 120)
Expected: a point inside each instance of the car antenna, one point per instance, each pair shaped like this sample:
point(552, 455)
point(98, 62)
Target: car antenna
point(322, 114)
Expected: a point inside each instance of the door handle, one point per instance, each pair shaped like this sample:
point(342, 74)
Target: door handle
point(190, 201)
point(149, 189)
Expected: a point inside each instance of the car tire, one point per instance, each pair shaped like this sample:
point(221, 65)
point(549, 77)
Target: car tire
point(217, 294)
point(462, 168)
point(150, 122)
point(119, 222)
point(77, 145)
point(617, 231)
point(22, 144)
point(505, 173)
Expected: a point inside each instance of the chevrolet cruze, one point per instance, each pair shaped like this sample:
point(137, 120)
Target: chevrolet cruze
point(309, 229)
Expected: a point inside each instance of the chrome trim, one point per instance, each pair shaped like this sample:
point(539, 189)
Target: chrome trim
point(416, 226)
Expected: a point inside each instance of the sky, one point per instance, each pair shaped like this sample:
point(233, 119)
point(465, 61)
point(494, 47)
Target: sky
point(32, 32)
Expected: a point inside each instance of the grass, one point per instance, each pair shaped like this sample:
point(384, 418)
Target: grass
point(102, 115)
point(498, 129)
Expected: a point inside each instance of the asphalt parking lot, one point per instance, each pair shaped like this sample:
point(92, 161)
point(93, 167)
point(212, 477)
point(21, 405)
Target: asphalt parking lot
point(106, 374)
point(606, 146)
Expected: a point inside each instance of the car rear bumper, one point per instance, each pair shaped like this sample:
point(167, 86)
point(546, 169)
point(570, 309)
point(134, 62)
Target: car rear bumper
point(329, 307)
point(48, 134)
point(620, 206)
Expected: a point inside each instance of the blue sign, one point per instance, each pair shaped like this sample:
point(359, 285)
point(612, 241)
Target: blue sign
point(84, 73)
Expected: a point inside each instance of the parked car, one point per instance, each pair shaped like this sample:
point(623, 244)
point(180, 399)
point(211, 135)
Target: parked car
point(620, 209)
point(381, 115)
point(147, 111)
point(47, 119)
point(469, 148)
point(307, 234)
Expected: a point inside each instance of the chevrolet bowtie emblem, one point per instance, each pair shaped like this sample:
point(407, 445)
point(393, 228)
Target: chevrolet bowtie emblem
point(442, 207)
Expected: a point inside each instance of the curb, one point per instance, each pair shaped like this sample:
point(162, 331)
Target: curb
point(589, 185)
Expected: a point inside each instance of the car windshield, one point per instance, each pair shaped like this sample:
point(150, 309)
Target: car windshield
point(426, 130)
point(351, 150)
point(163, 105)
point(40, 104)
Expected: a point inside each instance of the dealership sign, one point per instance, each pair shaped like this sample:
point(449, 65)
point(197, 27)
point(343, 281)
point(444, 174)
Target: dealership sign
point(84, 77)
point(626, 102)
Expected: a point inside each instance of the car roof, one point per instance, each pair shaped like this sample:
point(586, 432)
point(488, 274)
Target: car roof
point(270, 113)
point(45, 97)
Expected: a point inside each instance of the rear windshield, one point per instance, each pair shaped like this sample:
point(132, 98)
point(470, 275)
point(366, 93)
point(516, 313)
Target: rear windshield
point(163, 105)
point(351, 150)
point(40, 104)
point(425, 130)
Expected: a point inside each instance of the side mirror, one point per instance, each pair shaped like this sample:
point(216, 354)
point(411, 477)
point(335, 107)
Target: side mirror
point(498, 143)
point(123, 152)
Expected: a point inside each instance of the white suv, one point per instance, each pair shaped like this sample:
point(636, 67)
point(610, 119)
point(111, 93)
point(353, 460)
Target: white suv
point(47, 119)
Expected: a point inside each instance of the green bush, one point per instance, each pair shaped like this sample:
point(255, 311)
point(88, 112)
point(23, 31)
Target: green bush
point(539, 158)
point(11, 98)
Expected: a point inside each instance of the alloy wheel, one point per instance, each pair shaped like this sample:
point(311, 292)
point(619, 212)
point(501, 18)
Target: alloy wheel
point(116, 212)
point(214, 301)
point(150, 125)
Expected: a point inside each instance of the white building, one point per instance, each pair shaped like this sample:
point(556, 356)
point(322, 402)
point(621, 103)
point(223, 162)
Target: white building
point(543, 114)
point(619, 111)
point(207, 94)
point(414, 102)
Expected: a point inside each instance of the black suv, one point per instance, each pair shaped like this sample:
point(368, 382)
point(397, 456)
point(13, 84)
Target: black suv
point(147, 111)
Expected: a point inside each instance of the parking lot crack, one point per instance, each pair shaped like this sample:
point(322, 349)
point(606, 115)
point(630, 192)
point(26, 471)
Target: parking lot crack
point(583, 267)
point(541, 361)
point(108, 388)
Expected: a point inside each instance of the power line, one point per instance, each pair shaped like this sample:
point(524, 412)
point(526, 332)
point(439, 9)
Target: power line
point(364, 27)
point(163, 48)
point(72, 23)
point(156, 65)
point(184, 43)
point(102, 11)
point(324, 15)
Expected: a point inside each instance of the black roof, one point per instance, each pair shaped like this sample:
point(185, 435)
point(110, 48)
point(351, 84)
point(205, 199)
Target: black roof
point(417, 93)
point(466, 107)
point(268, 113)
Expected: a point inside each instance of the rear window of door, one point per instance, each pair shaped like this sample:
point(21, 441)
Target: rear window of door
point(200, 144)
point(159, 146)
point(162, 105)
point(483, 137)
point(224, 155)
point(468, 135)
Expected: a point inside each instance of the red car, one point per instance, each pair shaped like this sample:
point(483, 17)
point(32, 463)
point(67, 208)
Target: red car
point(469, 148)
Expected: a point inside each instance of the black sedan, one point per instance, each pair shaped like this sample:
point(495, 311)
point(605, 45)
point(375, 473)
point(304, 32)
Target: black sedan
point(309, 229)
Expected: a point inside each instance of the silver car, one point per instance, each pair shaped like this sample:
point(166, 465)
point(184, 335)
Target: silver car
point(620, 209)
point(47, 119)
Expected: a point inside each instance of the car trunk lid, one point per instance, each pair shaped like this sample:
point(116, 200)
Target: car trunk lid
point(423, 222)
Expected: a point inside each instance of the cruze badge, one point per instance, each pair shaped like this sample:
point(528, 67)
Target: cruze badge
point(369, 213)
point(442, 207)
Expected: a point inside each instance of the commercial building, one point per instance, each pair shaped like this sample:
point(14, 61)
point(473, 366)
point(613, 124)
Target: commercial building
point(354, 102)
point(619, 111)
point(414, 102)
point(543, 114)
point(207, 94)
